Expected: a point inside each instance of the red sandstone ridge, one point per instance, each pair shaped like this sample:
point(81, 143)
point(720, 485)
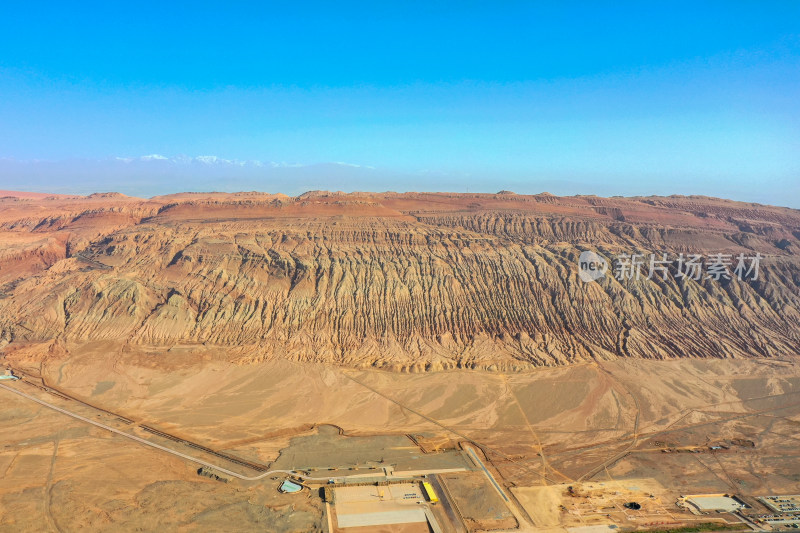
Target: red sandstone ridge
point(409, 281)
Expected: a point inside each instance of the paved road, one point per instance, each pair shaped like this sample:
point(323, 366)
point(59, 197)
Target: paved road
point(158, 446)
point(447, 503)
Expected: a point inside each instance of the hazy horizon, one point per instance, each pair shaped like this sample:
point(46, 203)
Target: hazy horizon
point(156, 175)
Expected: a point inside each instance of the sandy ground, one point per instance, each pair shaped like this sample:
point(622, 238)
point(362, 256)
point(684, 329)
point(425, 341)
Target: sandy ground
point(478, 503)
point(57, 474)
point(616, 424)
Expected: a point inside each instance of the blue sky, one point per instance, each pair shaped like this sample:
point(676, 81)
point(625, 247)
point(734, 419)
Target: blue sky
point(569, 97)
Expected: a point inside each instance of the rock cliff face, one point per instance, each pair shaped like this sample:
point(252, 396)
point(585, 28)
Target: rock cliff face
point(397, 281)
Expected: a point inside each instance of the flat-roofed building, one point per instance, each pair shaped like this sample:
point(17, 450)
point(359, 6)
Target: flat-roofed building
point(382, 505)
point(720, 503)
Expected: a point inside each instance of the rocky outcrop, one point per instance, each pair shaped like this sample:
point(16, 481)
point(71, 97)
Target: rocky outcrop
point(405, 282)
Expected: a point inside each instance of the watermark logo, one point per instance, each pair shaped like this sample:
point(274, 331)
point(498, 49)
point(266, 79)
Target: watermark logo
point(718, 266)
point(591, 266)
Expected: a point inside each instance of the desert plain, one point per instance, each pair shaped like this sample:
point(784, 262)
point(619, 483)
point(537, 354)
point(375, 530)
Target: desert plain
point(338, 337)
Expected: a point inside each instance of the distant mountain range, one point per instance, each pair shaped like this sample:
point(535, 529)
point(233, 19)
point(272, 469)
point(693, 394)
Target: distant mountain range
point(158, 174)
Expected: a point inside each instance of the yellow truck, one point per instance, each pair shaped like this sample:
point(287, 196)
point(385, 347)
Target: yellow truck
point(429, 492)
